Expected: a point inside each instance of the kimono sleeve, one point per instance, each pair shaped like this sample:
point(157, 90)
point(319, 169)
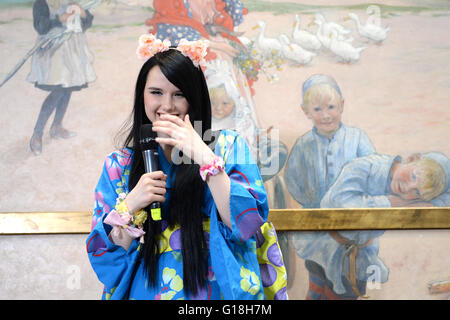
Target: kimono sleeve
point(233, 251)
point(112, 263)
point(248, 199)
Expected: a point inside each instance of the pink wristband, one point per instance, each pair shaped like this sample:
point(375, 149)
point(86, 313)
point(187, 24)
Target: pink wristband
point(212, 169)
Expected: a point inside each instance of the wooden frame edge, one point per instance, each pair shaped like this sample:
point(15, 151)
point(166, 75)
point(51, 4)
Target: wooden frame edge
point(24, 223)
point(361, 219)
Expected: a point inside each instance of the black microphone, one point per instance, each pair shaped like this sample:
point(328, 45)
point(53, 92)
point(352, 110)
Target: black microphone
point(149, 148)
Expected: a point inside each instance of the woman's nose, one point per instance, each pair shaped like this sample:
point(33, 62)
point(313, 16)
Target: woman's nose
point(167, 103)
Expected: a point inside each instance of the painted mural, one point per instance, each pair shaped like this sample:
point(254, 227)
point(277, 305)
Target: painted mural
point(343, 104)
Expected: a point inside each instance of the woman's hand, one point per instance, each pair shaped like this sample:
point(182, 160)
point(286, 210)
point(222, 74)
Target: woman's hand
point(73, 9)
point(151, 187)
point(64, 17)
point(183, 137)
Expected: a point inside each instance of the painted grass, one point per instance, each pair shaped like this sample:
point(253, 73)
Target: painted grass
point(290, 7)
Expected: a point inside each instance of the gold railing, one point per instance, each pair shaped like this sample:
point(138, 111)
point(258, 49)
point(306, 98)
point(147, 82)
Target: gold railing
point(283, 220)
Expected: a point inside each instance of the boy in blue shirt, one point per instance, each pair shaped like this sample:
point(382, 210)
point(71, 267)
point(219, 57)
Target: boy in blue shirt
point(373, 181)
point(378, 181)
point(314, 164)
point(317, 157)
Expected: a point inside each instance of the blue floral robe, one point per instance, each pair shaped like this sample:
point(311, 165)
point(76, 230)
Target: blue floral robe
point(234, 272)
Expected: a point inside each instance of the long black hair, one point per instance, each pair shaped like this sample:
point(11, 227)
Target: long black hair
point(188, 193)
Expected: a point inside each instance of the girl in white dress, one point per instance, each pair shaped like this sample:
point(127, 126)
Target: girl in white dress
point(61, 66)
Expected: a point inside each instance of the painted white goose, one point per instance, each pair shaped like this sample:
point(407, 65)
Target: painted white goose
point(324, 40)
point(294, 53)
point(268, 46)
point(324, 31)
point(328, 26)
point(369, 30)
point(305, 39)
point(344, 50)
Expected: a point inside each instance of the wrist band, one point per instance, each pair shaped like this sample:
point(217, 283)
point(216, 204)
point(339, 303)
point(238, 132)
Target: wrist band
point(212, 169)
point(121, 217)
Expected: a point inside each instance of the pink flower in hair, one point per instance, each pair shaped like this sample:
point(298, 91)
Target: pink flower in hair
point(147, 39)
point(195, 50)
point(149, 46)
point(161, 46)
point(144, 52)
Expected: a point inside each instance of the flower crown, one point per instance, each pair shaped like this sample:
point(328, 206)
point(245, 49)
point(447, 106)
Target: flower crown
point(194, 50)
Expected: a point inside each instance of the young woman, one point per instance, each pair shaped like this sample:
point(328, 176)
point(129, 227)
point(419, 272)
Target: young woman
point(212, 205)
point(216, 21)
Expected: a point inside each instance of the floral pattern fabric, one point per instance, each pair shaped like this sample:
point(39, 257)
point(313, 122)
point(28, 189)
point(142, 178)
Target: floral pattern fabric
point(233, 265)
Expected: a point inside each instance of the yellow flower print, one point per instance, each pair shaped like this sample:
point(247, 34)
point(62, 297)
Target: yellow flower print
point(250, 281)
point(259, 182)
point(172, 284)
point(238, 140)
point(230, 139)
point(221, 141)
point(221, 145)
point(108, 295)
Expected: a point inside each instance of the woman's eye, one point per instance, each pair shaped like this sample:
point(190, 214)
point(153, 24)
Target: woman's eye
point(331, 107)
point(316, 109)
point(155, 92)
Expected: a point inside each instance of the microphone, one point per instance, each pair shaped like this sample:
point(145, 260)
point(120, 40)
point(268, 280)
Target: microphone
point(149, 148)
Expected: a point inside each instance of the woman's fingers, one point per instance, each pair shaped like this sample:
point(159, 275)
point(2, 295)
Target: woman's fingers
point(169, 121)
point(158, 198)
point(170, 141)
point(153, 183)
point(182, 135)
point(171, 132)
point(173, 119)
point(151, 187)
point(149, 190)
point(155, 175)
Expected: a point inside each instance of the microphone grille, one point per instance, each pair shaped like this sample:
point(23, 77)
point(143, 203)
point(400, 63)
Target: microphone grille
point(147, 137)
